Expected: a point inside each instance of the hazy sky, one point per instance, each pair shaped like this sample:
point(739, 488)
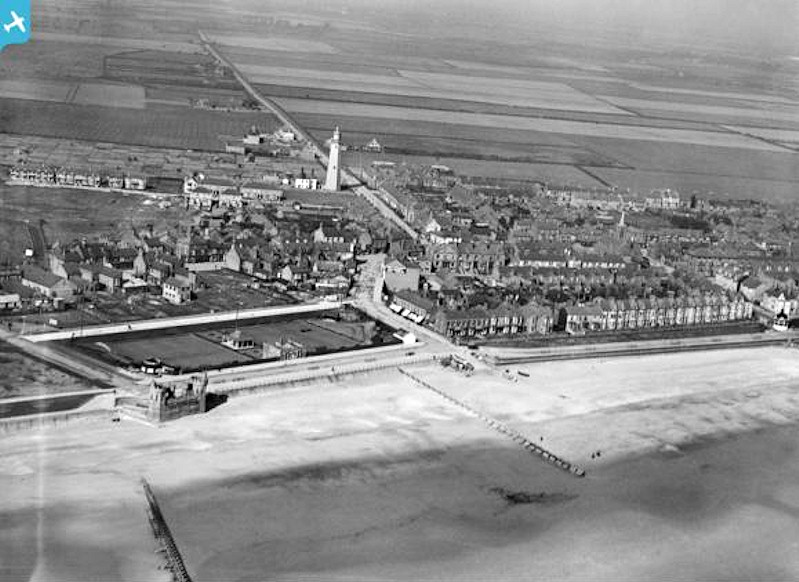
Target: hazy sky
point(759, 25)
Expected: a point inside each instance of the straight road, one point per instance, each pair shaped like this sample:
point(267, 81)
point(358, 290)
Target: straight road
point(348, 179)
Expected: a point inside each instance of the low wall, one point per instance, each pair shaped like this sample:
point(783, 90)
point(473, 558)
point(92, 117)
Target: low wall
point(263, 384)
point(183, 321)
point(298, 364)
point(54, 396)
point(520, 355)
point(52, 420)
point(100, 404)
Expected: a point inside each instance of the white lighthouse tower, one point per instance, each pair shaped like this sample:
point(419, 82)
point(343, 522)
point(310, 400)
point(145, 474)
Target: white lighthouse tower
point(331, 180)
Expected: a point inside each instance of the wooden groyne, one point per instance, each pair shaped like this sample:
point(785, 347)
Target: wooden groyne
point(503, 429)
point(164, 536)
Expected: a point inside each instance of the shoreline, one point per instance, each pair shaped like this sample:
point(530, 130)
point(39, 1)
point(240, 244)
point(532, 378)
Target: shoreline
point(375, 478)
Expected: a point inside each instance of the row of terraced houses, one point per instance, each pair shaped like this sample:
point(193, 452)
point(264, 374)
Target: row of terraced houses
point(654, 312)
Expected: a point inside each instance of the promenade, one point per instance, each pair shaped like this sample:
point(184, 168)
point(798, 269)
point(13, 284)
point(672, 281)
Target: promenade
point(183, 321)
point(505, 356)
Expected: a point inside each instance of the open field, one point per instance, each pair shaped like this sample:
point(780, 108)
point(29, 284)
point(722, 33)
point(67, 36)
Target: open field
point(769, 116)
point(107, 94)
point(46, 59)
point(118, 42)
point(177, 127)
point(273, 43)
point(37, 90)
point(130, 96)
point(462, 105)
point(789, 136)
point(379, 479)
point(717, 95)
point(558, 126)
point(513, 91)
point(597, 105)
point(516, 92)
point(740, 172)
point(478, 149)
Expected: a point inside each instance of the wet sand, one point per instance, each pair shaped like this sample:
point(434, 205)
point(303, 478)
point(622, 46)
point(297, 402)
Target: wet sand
point(724, 510)
point(378, 479)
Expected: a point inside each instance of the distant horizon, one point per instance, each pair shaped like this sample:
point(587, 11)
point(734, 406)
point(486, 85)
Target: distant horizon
point(767, 28)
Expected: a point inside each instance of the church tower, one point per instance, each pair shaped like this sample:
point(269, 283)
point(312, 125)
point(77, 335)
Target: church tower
point(331, 180)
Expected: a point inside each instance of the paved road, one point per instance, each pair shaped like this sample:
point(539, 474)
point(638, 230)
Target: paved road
point(507, 356)
point(182, 321)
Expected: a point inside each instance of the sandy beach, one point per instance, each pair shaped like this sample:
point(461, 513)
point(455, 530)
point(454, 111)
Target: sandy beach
point(377, 478)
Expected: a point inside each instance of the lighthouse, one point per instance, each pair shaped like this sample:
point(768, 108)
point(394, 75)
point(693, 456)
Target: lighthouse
point(331, 180)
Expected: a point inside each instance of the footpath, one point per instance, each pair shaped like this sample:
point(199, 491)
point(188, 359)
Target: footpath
point(503, 356)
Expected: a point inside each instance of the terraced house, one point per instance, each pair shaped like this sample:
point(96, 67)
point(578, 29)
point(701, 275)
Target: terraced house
point(480, 258)
point(503, 321)
point(629, 314)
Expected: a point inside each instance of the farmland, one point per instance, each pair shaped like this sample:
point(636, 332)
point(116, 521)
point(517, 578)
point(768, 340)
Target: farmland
point(287, 44)
point(514, 92)
point(120, 102)
point(176, 127)
point(536, 108)
point(711, 128)
point(558, 126)
point(399, 144)
point(82, 93)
